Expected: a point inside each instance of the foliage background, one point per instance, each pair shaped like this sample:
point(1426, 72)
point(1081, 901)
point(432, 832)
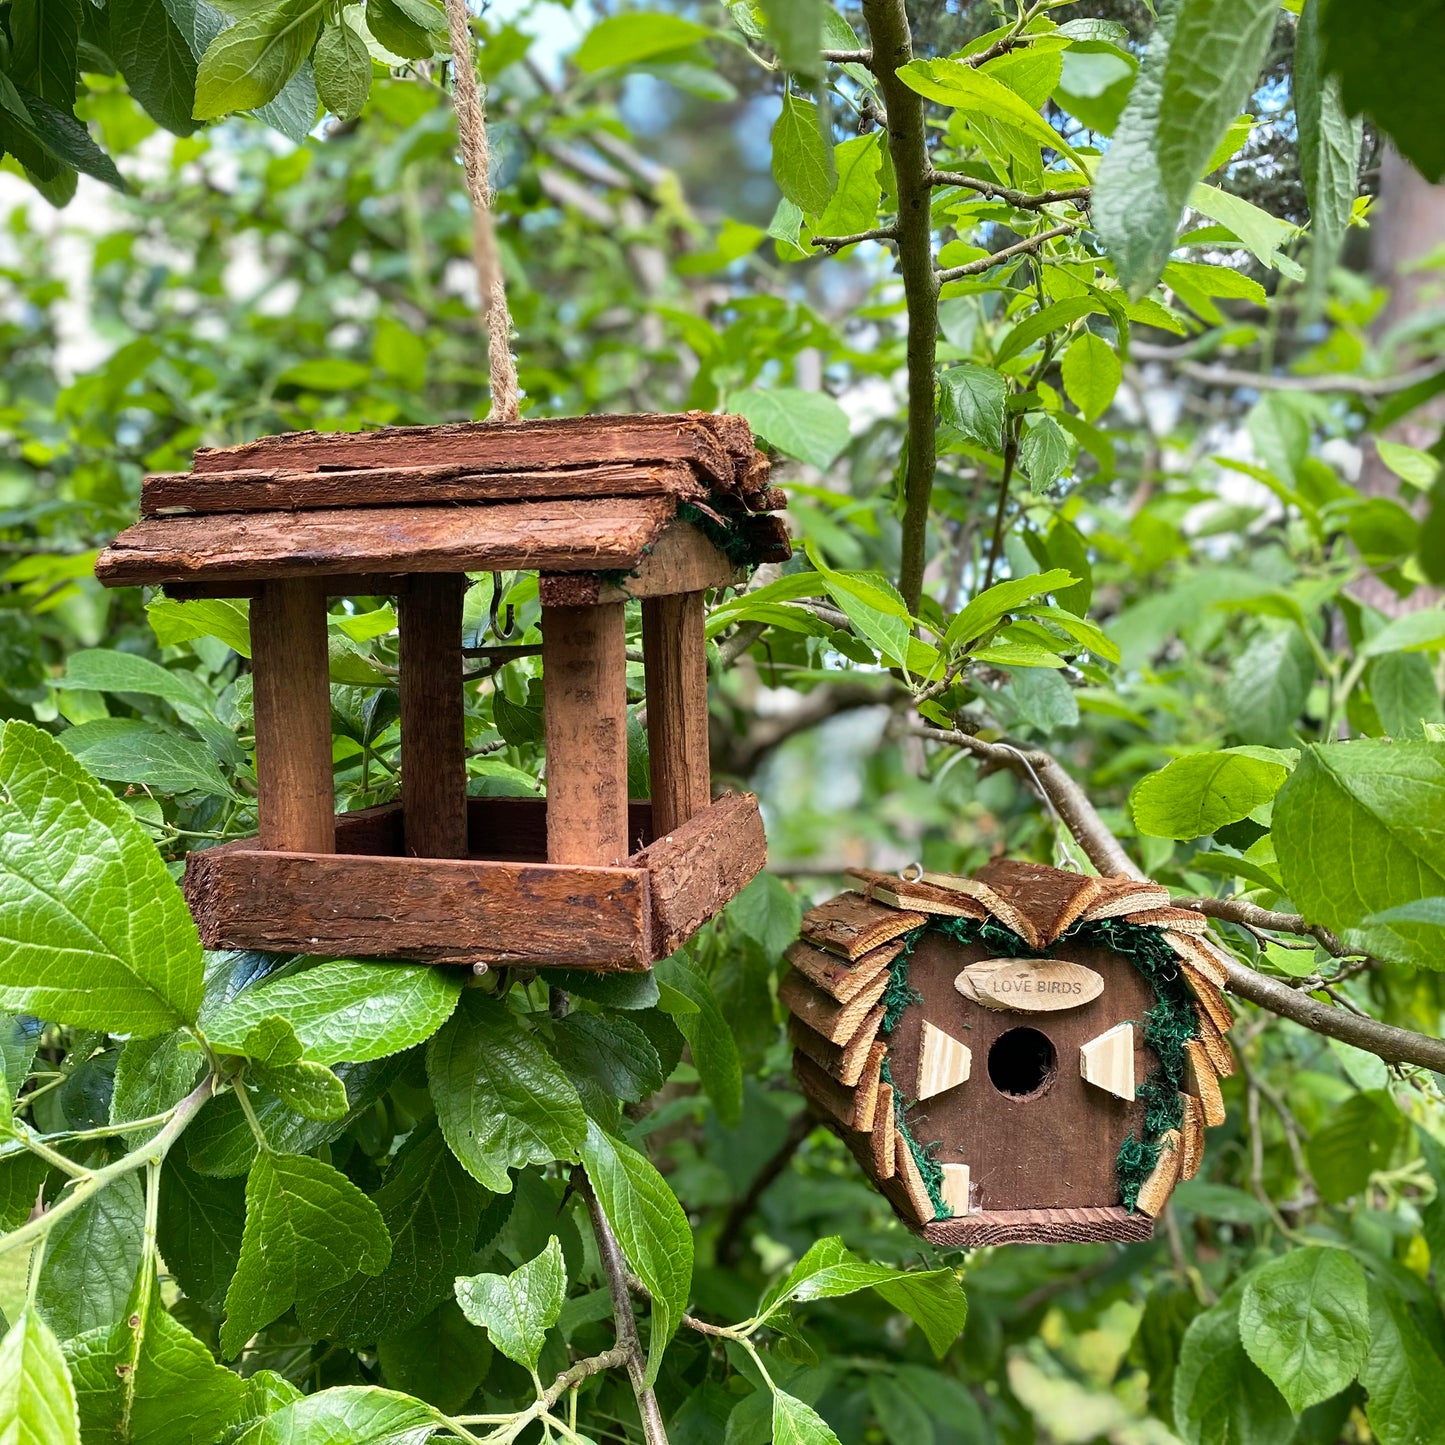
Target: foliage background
point(1239, 495)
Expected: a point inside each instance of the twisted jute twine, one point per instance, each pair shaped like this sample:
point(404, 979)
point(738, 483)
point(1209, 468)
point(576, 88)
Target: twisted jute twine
point(472, 132)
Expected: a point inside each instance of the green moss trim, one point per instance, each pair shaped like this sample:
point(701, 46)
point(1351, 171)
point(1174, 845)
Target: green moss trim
point(923, 1154)
point(1168, 1026)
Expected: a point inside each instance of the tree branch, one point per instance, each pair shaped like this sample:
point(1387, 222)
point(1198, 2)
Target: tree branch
point(614, 1265)
point(582, 1370)
point(1020, 200)
point(848, 57)
point(908, 145)
point(1226, 376)
point(834, 244)
point(987, 263)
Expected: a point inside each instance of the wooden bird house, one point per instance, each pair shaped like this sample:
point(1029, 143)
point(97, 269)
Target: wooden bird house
point(605, 509)
point(1025, 1056)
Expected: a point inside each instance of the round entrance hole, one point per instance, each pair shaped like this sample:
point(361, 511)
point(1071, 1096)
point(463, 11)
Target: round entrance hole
point(1021, 1063)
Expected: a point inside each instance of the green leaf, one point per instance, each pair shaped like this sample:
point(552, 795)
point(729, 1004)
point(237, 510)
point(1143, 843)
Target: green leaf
point(501, 1099)
point(611, 1053)
point(44, 39)
point(988, 608)
point(199, 1230)
point(1405, 694)
point(651, 1228)
point(1356, 1141)
point(430, 1206)
point(249, 63)
point(344, 1010)
point(975, 94)
point(714, 1050)
point(1045, 453)
point(802, 159)
point(440, 1359)
point(1221, 1397)
point(1422, 631)
point(1202, 60)
point(1092, 374)
point(1410, 464)
point(971, 399)
point(1268, 686)
point(635, 37)
point(95, 932)
point(350, 1415)
point(312, 1090)
point(1304, 1320)
point(795, 28)
point(91, 1260)
point(1329, 151)
point(156, 60)
point(1196, 795)
point(1356, 831)
point(1044, 322)
point(899, 1412)
point(1385, 57)
point(858, 164)
point(175, 623)
point(1424, 910)
point(518, 1309)
point(1044, 699)
point(101, 670)
point(307, 1225)
point(1402, 1375)
point(37, 1399)
point(148, 1380)
point(126, 750)
point(343, 70)
point(61, 136)
point(1263, 235)
point(795, 1423)
point(808, 425)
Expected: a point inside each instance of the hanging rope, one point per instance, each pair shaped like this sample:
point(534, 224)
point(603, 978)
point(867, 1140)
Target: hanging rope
point(472, 131)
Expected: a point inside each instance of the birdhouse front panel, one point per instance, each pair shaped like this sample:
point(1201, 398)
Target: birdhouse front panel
point(1029, 1055)
point(607, 510)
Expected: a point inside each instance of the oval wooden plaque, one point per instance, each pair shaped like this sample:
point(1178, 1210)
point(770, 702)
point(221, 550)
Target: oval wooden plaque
point(1029, 985)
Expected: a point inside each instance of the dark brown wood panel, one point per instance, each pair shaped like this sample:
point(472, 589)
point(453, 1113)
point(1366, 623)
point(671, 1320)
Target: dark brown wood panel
point(555, 536)
point(1073, 1129)
point(699, 866)
point(552, 442)
point(296, 800)
point(436, 910)
point(279, 489)
point(433, 723)
point(674, 650)
point(681, 560)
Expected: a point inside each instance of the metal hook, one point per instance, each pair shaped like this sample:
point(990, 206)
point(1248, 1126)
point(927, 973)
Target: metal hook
point(501, 631)
point(904, 872)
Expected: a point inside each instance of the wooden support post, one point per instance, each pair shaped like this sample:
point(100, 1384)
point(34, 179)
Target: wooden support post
point(584, 673)
point(433, 734)
point(296, 802)
point(674, 650)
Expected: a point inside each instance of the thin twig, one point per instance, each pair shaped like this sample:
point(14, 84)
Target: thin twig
point(995, 546)
point(987, 263)
point(1019, 200)
point(614, 1265)
point(833, 244)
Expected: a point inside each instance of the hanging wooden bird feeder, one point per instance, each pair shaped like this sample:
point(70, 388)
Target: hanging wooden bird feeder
point(605, 509)
point(1026, 1056)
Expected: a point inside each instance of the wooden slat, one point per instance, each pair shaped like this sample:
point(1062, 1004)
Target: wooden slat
point(433, 723)
point(836, 1022)
point(829, 1098)
point(295, 802)
point(1221, 1057)
point(1191, 1137)
point(882, 1151)
point(1090, 1224)
point(1209, 998)
point(338, 584)
point(994, 902)
point(1200, 954)
point(850, 926)
point(681, 560)
point(552, 442)
point(944, 1062)
point(844, 1061)
point(1178, 920)
point(888, 889)
point(1157, 1188)
point(508, 536)
point(584, 679)
point(700, 866)
point(837, 977)
point(908, 1174)
point(1202, 1082)
point(1118, 896)
point(279, 489)
point(1053, 898)
point(674, 650)
point(956, 1192)
point(438, 910)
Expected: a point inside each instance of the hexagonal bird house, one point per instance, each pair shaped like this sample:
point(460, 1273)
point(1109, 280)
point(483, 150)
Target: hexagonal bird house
point(1025, 1056)
point(606, 509)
